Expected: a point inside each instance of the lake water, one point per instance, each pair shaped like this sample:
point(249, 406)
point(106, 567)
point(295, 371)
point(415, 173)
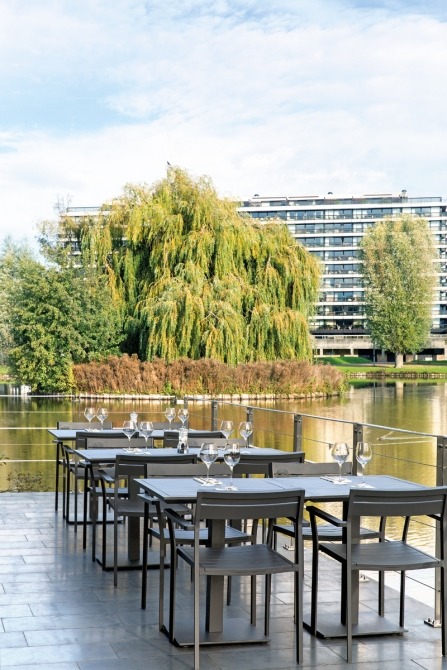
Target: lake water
point(28, 453)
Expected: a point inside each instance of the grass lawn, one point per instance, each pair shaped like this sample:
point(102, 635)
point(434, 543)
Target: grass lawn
point(357, 365)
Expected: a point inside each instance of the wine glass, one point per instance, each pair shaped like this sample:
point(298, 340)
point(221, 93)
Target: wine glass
point(183, 415)
point(340, 453)
point(245, 430)
point(129, 429)
point(232, 455)
point(208, 454)
point(89, 413)
point(145, 429)
point(102, 415)
point(170, 414)
point(134, 417)
point(226, 427)
point(363, 455)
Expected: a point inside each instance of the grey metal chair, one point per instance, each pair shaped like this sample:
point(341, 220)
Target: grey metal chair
point(388, 555)
point(127, 469)
point(259, 464)
point(326, 532)
point(183, 529)
point(170, 438)
point(247, 559)
point(61, 461)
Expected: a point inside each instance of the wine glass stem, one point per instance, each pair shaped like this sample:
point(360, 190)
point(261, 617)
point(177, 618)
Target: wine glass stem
point(208, 473)
point(363, 475)
point(339, 472)
point(231, 477)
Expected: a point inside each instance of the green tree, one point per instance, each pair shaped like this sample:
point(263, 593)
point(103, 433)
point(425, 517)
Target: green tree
point(399, 276)
point(57, 316)
point(197, 280)
point(13, 256)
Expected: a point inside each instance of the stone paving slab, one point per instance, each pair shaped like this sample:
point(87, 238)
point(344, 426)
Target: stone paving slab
point(60, 611)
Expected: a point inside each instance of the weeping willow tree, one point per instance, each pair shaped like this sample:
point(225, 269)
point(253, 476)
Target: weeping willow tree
point(197, 280)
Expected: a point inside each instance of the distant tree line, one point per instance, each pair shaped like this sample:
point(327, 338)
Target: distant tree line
point(165, 272)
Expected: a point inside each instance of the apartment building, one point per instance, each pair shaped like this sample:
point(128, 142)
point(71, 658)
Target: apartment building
point(331, 227)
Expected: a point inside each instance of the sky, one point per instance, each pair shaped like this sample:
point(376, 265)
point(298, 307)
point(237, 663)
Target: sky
point(274, 97)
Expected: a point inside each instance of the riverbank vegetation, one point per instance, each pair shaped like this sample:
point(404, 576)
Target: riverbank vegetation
point(127, 374)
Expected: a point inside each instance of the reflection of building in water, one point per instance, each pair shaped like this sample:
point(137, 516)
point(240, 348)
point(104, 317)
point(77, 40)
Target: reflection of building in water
point(331, 227)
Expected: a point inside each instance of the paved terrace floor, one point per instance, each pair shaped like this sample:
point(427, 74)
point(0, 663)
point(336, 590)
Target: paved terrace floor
point(59, 610)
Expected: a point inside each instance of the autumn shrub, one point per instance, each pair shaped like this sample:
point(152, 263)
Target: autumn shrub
point(127, 374)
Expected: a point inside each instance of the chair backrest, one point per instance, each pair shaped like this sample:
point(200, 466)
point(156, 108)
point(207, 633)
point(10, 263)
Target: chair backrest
point(96, 441)
point(174, 467)
point(411, 503)
point(82, 425)
point(252, 463)
point(218, 441)
point(165, 425)
point(307, 469)
point(241, 505)
point(170, 438)
point(128, 468)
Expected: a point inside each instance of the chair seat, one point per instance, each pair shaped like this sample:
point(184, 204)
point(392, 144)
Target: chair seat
point(325, 532)
point(257, 559)
point(390, 555)
point(127, 506)
point(183, 536)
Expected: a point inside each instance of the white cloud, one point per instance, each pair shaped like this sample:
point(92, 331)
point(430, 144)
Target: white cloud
point(272, 97)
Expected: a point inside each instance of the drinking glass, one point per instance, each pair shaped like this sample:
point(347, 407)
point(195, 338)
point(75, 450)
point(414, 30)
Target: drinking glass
point(208, 454)
point(102, 415)
point(134, 417)
point(89, 413)
point(170, 414)
point(129, 428)
point(363, 455)
point(183, 415)
point(145, 429)
point(340, 453)
point(232, 457)
point(226, 427)
point(245, 430)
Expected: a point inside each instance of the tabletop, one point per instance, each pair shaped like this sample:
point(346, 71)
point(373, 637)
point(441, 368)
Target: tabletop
point(173, 489)
point(62, 434)
point(109, 455)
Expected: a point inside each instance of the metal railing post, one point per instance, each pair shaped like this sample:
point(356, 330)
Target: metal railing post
point(297, 432)
point(357, 436)
point(441, 480)
point(214, 408)
point(249, 412)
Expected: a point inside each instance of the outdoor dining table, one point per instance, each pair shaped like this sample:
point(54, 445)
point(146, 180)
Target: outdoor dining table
point(317, 489)
point(94, 457)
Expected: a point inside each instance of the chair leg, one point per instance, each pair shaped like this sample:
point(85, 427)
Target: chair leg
point(268, 595)
point(172, 587)
point(115, 549)
point(229, 586)
point(196, 620)
point(314, 592)
point(144, 563)
point(381, 607)
point(348, 613)
point(402, 599)
point(443, 612)
point(253, 600)
point(298, 601)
